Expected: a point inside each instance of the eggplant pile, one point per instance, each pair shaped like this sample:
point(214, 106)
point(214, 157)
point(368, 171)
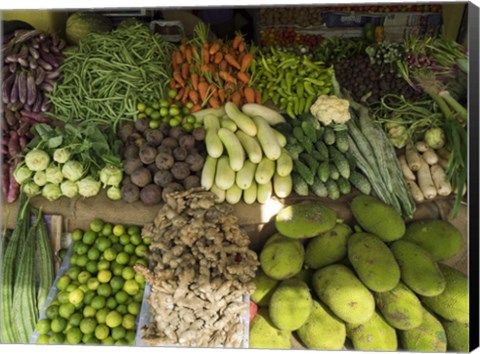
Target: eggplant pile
point(31, 60)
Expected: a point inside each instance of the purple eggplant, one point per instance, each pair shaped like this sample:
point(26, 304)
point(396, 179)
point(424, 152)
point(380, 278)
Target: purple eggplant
point(12, 67)
point(49, 59)
point(7, 88)
point(24, 35)
point(55, 39)
point(61, 44)
point(34, 117)
point(5, 72)
point(45, 47)
point(44, 64)
point(32, 63)
point(45, 105)
point(10, 118)
point(14, 90)
point(46, 87)
point(40, 76)
point(38, 102)
point(23, 62)
point(31, 89)
point(52, 75)
point(22, 87)
point(33, 52)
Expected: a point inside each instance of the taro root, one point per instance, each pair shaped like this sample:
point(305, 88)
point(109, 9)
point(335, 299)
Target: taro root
point(164, 128)
point(199, 134)
point(176, 132)
point(195, 161)
point(126, 180)
point(147, 154)
point(151, 194)
point(141, 124)
point(131, 152)
point(141, 177)
point(163, 178)
point(164, 161)
point(180, 153)
point(131, 165)
point(187, 141)
point(130, 193)
point(170, 188)
point(154, 137)
point(169, 141)
point(191, 182)
point(180, 170)
point(165, 149)
point(152, 168)
point(126, 131)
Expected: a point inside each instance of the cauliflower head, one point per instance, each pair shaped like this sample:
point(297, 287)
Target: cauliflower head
point(331, 110)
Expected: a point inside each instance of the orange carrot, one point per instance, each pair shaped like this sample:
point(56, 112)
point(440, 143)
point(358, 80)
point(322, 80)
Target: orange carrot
point(182, 49)
point(185, 94)
point(246, 61)
point(214, 48)
point(196, 108)
point(185, 70)
point(249, 94)
point(178, 77)
point(204, 68)
point(241, 47)
point(218, 58)
point(236, 98)
point(227, 77)
point(172, 83)
point(194, 80)
point(221, 94)
point(214, 102)
point(230, 86)
point(223, 65)
point(179, 95)
point(188, 55)
point(258, 97)
point(194, 97)
point(179, 58)
point(236, 41)
point(230, 59)
point(205, 55)
point(243, 77)
point(203, 90)
point(213, 89)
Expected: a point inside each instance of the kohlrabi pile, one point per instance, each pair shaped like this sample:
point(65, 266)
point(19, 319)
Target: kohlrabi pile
point(63, 162)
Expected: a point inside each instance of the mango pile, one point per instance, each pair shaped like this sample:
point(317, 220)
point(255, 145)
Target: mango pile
point(376, 286)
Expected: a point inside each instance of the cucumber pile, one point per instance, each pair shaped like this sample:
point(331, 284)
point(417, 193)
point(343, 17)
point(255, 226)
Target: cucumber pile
point(322, 163)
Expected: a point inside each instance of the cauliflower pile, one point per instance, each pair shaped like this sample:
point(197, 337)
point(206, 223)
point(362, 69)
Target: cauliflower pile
point(331, 110)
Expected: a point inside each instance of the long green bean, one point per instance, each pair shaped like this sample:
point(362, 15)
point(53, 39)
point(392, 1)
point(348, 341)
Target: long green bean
point(107, 73)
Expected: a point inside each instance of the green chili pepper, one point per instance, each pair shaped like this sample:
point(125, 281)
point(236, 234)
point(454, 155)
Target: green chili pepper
point(289, 110)
point(308, 88)
point(299, 89)
point(301, 105)
point(309, 102)
point(315, 81)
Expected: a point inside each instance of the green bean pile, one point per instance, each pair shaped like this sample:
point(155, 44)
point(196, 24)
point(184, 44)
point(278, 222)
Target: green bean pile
point(108, 73)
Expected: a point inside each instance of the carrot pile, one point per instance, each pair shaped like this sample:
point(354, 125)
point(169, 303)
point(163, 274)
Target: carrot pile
point(208, 74)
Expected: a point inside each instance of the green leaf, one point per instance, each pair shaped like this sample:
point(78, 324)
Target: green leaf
point(55, 142)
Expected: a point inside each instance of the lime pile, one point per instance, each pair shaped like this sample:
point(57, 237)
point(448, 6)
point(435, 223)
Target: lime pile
point(175, 114)
point(100, 295)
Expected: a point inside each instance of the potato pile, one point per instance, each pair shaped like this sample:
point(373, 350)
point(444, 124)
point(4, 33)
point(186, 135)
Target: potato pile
point(160, 161)
point(323, 281)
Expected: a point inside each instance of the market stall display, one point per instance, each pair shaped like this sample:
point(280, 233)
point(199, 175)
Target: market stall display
point(336, 149)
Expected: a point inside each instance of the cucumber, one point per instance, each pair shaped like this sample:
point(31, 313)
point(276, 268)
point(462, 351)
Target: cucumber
point(264, 192)
point(303, 171)
point(309, 131)
point(211, 122)
point(224, 176)
point(302, 139)
point(322, 150)
point(229, 124)
point(243, 122)
point(329, 136)
point(282, 186)
point(344, 185)
point(323, 171)
point(360, 182)
point(319, 188)
point(246, 175)
point(255, 109)
point(299, 185)
point(340, 162)
point(294, 149)
point(284, 164)
point(251, 145)
point(213, 143)
point(233, 195)
point(332, 188)
point(250, 194)
point(341, 140)
point(334, 174)
point(219, 192)
point(267, 138)
point(282, 140)
point(208, 173)
point(265, 171)
point(234, 148)
point(310, 161)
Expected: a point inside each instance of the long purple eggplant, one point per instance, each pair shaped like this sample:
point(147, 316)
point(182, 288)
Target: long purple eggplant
point(32, 63)
point(38, 103)
point(10, 117)
point(14, 90)
point(12, 67)
point(40, 76)
point(34, 116)
point(49, 59)
point(31, 89)
point(44, 64)
point(33, 52)
point(7, 88)
point(22, 87)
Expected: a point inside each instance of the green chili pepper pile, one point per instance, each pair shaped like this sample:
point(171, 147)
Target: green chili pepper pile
point(107, 73)
point(292, 82)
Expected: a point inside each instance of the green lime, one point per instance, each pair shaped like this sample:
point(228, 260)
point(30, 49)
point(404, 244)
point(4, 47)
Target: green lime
point(140, 279)
point(122, 258)
point(92, 267)
point(107, 229)
point(76, 297)
point(129, 249)
point(155, 115)
point(80, 248)
point(124, 239)
point(102, 331)
point(136, 239)
point(75, 319)
point(121, 296)
point(163, 112)
point(77, 235)
point(89, 237)
point(121, 342)
point(191, 119)
point(122, 309)
point(83, 277)
point(140, 250)
point(111, 303)
point(66, 310)
point(128, 321)
point(156, 105)
point(71, 287)
point(163, 102)
point(55, 302)
point(93, 254)
point(96, 225)
point(73, 259)
point(63, 282)
point(101, 315)
point(130, 337)
point(118, 230)
point(52, 311)
point(73, 335)
point(104, 290)
point(62, 297)
point(133, 260)
point(110, 254)
point(148, 111)
point(189, 105)
point(174, 111)
point(141, 107)
point(82, 260)
point(87, 337)
point(43, 339)
point(113, 238)
point(98, 302)
point(108, 341)
point(172, 93)
point(92, 341)
point(89, 295)
point(87, 325)
point(153, 124)
point(73, 272)
point(138, 297)
point(117, 248)
point(103, 265)
point(128, 273)
point(117, 270)
point(58, 324)
point(133, 230)
point(43, 326)
point(104, 276)
point(185, 110)
point(89, 311)
point(143, 261)
point(188, 127)
point(134, 308)
point(174, 122)
point(118, 332)
point(117, 282)
point(102, 243)
point(57, 338)
point(131, 287)
point(147, 240)
point(113, 319)
point(198, 125)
